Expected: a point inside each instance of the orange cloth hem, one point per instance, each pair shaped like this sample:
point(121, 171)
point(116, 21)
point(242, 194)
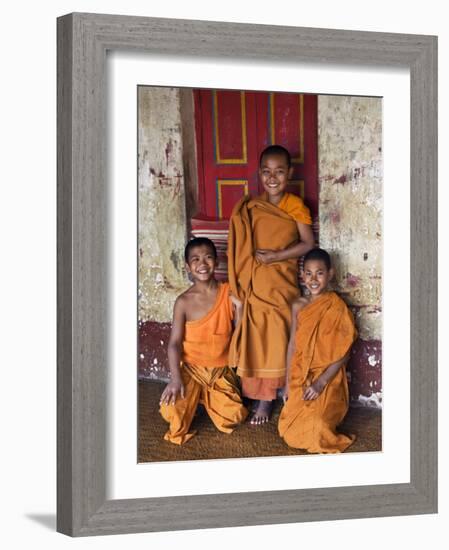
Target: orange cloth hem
point(262, 388)
point(217, 390)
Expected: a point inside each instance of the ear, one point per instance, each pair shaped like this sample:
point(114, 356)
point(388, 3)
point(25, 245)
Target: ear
point(188, 268)
point(290, 172)
point(331, 273)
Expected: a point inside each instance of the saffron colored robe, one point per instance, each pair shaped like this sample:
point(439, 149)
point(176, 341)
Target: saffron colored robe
point(206, 377)
point(324, 335)
point(259, 344)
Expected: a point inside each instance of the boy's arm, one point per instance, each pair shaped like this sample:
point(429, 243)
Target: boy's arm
point(175, 387)
point(315, 389)
point(290, 348)
point(306, 243)
point(237, 307)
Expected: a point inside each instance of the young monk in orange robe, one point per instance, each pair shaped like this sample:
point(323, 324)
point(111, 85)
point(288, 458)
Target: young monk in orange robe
point(266, 236)
point(198, 350)
point(316, 391)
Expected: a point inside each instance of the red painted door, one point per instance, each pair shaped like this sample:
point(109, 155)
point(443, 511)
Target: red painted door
point(233, 127)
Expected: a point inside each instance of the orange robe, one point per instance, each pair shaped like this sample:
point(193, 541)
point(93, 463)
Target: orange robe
point(259, 344)
point(324, 335)
point(206, 377)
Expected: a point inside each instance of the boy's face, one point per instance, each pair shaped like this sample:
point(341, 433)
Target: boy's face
point(274, 174)
point(201, 263)
point(316, 276)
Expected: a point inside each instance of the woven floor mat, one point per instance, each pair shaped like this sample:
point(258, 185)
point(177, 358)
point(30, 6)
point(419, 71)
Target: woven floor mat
point(245, 441)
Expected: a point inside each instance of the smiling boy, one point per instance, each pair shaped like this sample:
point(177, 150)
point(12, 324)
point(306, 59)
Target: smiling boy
point(267, 235)
point(316, 391)
point(198, 350)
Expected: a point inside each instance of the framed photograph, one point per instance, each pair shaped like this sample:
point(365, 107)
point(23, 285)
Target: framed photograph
point(93, 116)
point(200, 149)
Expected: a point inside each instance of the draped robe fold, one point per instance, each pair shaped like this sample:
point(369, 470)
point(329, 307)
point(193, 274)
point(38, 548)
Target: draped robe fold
point(324, 335)
point(206, 377)
point(259, 345)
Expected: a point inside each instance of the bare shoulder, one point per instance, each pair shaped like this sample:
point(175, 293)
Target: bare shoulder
point(183, 300)
point(299, 303)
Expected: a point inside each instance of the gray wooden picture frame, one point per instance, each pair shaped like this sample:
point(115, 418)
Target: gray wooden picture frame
point(83, 40)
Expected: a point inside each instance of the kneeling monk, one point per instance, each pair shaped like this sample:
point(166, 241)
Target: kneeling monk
point(316, 391)
point(198, 350)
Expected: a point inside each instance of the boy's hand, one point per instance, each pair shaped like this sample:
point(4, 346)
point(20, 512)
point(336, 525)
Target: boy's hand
point(237, 303)
point(171, 392)
point(314, 390)
point(266, 256)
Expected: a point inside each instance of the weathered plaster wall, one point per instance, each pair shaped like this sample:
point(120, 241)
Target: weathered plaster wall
point(162, 217)
point(350, 213)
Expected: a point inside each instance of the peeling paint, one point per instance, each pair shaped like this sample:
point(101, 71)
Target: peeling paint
point(153, 363)
point(350, 215)
point(168, 151)
point(352, 280)
point(334, 217)
point(350, 212)
point(162, 217)
point(365, 366)
point(374, 400)
point(342, 179)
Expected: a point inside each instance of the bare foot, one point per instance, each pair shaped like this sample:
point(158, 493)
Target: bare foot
point(261, 414)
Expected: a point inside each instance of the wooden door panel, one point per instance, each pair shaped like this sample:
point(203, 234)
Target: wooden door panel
point(230, 141)
point(233, 127)
point(225, 149)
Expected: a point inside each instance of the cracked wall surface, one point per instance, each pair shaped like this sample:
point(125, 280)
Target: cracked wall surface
point(162, 217)
point(350, 204)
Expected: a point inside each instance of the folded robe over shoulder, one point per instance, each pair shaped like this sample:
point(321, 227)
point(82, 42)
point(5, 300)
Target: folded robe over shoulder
point(205, 375)
point(324, 335)
point(258, 347)
point(206, 340)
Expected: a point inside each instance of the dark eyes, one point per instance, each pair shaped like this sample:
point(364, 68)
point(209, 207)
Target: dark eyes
point(197, 258)
point(267, 172)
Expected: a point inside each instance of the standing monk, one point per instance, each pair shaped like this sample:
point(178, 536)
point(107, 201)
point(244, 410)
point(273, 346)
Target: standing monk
point(267, 235)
